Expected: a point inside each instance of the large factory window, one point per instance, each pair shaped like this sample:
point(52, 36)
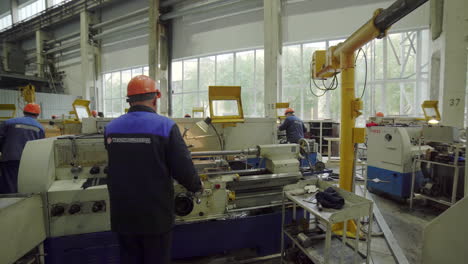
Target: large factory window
point(5, 21)
point(191, 78)
point(30, 9)
point(190, 85)
point(59, 2)
point(259, 83)
point(207, 77)
point(391, 77)
point(397, 74)
point(296, 82)
point(114, 85)
point(245, 78)
point(396, 71)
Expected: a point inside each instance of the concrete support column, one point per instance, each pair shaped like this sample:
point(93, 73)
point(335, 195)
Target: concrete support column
point(98, 94)
point(154, 54)
point(449, 60)
point(273, 51)
point(163, 70)
point(41, 36)
point(14, 11)
point(85, 48)
point(49, 3)
point(7, 47)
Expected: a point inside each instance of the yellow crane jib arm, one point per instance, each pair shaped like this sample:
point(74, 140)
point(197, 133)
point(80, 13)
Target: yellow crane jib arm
point(340, 59)
point(326, 64)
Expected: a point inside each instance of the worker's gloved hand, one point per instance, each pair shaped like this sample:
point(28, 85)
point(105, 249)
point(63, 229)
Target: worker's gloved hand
point(197, 195)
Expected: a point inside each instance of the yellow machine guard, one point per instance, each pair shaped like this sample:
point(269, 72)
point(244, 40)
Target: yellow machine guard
point(81, 109)
point(6, 108)
point(198, 110)
point(225, 93)
point(279, 106)
point(431, 110)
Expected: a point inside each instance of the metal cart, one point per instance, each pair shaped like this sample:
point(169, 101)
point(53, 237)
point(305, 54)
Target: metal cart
point(334, 249)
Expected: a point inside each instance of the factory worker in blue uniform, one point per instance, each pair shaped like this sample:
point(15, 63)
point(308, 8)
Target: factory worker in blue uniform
point(293, 125)
point(14, 133)
point(146, 152)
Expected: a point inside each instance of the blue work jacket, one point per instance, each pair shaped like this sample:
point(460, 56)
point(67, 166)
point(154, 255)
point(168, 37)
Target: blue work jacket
point(14, 133)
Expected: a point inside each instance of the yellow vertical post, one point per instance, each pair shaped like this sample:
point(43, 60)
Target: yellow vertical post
point(349, 112)
point(347, 123)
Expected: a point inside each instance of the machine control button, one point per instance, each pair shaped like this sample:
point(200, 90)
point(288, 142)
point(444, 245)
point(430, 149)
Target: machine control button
point(95, 170)
point(74, 208)
point(76, 170)
point(217, 186)
point(97, 207)
point(388, 137)
point(57, 210)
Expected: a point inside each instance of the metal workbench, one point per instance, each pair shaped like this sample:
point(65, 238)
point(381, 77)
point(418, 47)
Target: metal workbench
point(334, 249)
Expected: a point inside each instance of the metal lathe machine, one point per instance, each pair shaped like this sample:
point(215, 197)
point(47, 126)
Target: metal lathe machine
point(391, 148)
point(237, 209)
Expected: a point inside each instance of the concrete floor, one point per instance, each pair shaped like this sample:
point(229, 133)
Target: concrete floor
point(406, 226)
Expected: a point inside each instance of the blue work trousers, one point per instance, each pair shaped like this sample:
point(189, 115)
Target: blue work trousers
point(9, 176)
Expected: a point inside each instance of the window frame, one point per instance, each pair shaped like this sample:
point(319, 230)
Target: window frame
point(24, 8)
point(200, 90)
point(2, 18)
point(122, 98)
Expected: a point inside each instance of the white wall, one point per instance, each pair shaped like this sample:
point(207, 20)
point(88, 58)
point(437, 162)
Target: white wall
point(128, 48)
point(125, 55)
point(339, 23)
point(51, 104)
point(301, 22)
point(73, 82)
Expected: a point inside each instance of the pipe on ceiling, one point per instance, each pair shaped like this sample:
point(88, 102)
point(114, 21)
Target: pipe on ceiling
point(132, 25)
point(192, 9)
point(64, 37)
point(120, 18)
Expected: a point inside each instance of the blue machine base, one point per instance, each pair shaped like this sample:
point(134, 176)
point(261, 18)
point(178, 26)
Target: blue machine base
point(393, 183)
point(261, 232)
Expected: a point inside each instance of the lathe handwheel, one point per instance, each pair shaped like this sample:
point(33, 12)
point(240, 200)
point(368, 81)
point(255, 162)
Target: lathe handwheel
point(183, 204)
point(319, 166)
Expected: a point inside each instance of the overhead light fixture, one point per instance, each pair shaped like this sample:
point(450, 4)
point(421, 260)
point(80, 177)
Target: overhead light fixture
point(433, 121)
point(204, 124)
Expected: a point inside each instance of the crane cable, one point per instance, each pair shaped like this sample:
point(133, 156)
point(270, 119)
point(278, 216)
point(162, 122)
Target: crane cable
point(334, 84)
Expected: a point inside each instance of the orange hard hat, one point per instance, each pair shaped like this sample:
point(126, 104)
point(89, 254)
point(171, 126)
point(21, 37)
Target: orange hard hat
point(32, 108)
point(289, 110)
point(142, 84)
point(379, 114)
point(94, 113)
